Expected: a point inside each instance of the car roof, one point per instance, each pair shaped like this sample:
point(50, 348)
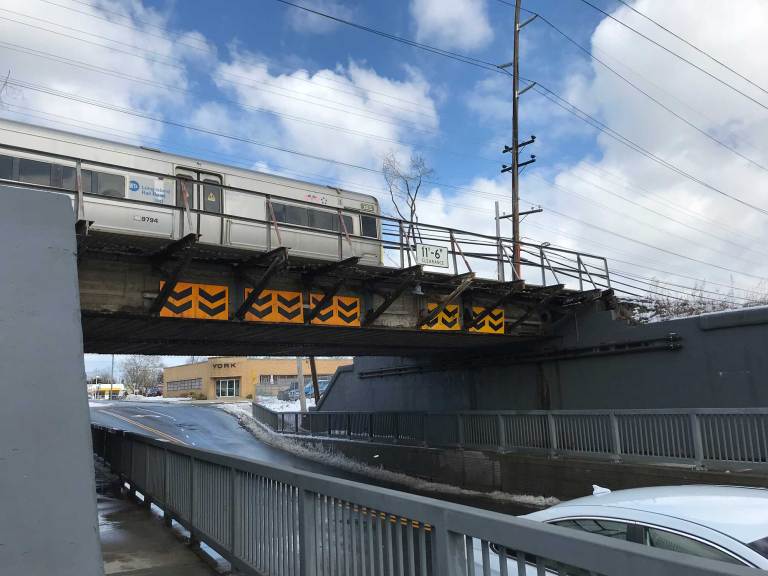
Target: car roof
point(736, 511)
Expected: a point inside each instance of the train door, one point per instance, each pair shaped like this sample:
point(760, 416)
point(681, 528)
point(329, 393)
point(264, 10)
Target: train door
point(186, 201)
point(211, 201)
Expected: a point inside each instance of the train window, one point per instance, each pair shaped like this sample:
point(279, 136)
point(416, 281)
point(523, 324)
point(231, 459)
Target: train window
point(63, 177)
point(6, 167)
point(184, 188)
point(323, 220)
point(291, 214)
point(211, 196)
point(110, 185)
point(348, 224)
point(368, 226)
point(34, 172)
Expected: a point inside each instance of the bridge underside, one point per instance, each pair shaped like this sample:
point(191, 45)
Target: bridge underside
point(143, 295)
point(120, 333)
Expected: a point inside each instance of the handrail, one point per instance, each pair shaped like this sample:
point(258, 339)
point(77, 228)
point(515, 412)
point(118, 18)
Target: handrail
point(276, 521)
point(701, 437)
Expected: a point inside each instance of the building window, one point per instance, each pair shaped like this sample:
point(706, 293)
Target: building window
point(183, 385)
point(227, 387)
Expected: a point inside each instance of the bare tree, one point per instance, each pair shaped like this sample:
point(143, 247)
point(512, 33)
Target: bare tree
point(404, 183)
point(101, 377)
point(141, 373)
point(196, 359)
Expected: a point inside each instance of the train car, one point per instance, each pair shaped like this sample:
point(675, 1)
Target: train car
point(143, 191)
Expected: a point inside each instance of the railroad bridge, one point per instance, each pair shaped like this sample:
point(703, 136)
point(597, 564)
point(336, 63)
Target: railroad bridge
point(161, 296)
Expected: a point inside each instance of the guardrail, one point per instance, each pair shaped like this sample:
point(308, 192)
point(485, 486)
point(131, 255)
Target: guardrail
point(699, 437)
point(273, 521)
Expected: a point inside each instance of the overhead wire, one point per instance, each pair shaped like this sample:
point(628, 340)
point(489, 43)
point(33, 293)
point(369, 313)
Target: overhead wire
point(675, 54)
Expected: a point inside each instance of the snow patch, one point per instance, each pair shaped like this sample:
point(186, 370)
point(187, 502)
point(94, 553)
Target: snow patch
point(272, 403)
point(242, 411)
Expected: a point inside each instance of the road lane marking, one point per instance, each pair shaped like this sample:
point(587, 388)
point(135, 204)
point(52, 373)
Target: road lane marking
point(147, 428)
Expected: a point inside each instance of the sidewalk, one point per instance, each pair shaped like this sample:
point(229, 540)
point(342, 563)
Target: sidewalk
point(134, 541)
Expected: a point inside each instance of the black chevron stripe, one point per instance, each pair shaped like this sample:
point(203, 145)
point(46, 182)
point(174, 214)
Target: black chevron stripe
point(498, 315)
point(348, 318)
point(450, 323)
point(348, 307)
point(260, 314)
point(261, 300)
point(450, 313)
point(212, 298)
point(316, 301)
point(324, 316)
point(288, 314)
point(288, 302)
point(181, 294)
point(496, 326)
point(178, 308)
point(212, 311)
point(432, 323)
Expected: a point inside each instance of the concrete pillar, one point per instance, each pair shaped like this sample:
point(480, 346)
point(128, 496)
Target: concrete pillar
point(48, 521)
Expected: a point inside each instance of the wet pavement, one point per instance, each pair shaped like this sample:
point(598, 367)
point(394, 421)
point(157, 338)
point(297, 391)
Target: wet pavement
point(135, 542)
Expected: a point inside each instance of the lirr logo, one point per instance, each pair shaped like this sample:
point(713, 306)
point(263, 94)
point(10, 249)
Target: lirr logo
point(134, 186)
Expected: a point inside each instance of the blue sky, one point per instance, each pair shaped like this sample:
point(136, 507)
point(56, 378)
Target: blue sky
point(270, 73)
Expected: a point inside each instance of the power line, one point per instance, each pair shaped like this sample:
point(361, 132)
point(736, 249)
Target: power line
point(653, 99)
point(691, 45)
point(675, 54)
point(597, 124)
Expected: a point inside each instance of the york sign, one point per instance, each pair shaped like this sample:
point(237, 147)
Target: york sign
point(226, 365)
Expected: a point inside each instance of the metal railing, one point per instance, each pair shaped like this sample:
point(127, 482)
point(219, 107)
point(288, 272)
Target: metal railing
point(272, 521)
point(467, 251)
point(714, 437)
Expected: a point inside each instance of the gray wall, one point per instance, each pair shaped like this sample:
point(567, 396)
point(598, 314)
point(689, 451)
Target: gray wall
point(723, 362)
point(48, 522)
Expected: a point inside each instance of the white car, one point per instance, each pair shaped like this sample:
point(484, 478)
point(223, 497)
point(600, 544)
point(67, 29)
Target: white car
point(726, 523)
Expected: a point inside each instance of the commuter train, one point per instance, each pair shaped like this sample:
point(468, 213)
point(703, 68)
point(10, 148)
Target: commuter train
point(143, 191)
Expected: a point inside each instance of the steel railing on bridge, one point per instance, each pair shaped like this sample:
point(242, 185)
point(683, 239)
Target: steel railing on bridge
point(699, 437)
point(272, 521)
point(487, 255)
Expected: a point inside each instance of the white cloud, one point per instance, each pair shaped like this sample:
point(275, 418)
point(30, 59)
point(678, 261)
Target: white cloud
point(452, 24)
point(133, 42)
point(303, 21)
point(350, 114)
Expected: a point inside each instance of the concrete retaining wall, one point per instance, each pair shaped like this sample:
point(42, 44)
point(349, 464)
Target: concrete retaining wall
point(722, 363)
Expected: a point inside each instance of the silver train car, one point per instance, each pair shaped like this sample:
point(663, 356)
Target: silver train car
point(146, 192)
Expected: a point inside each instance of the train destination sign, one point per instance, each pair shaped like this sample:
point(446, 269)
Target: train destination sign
point(431, 255)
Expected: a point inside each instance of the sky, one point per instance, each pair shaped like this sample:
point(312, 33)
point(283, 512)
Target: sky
point(280, 77)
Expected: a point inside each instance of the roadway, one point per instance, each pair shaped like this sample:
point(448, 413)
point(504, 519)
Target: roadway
point(207, 427)
point(201, 426)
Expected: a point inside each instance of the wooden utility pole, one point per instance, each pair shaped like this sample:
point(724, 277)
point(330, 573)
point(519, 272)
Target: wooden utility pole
point(300, 380)
point(315, 385)
point(515, 145)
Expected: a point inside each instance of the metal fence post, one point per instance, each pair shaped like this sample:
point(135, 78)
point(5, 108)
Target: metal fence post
point(615, 436)
point(396, 427)
point(543, 272)
point(698, 443)
point(578, 264)
point(553, 443)
point(448, 552)
point(460, 429)
point(502, 433)
point(370, 426)
point(234, 506)
point(349, 425)
point(307, 534)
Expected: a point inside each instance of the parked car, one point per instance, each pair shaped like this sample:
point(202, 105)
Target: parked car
point(154, 391)
point(726, 523)
point(292, 392)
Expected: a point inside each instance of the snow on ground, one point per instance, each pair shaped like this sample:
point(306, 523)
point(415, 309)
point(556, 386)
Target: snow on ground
point(98, 403)
point(276, 405)
point(242, 411)
point(140, 398)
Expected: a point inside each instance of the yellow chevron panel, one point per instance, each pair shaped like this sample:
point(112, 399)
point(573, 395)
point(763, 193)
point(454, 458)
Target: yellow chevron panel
point(276, 306)
point(340, 311)
point(448, 319)
point(181, 301)
point(491, 324)
point(212, 302)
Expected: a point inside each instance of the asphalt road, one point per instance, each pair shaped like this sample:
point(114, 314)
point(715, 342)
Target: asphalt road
point(209, 428)
point(201, 426)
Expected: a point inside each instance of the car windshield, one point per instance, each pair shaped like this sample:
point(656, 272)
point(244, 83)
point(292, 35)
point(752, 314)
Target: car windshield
point(760, 546)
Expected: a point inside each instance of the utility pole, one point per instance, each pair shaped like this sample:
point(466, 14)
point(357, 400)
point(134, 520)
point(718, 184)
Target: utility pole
point(516, 145)
point(300, 379)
